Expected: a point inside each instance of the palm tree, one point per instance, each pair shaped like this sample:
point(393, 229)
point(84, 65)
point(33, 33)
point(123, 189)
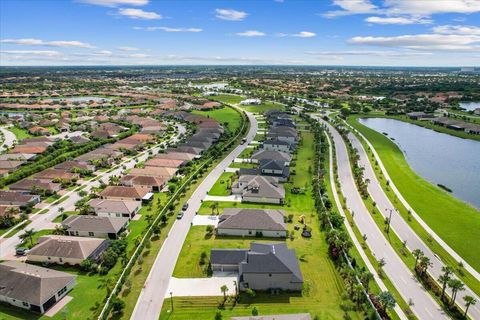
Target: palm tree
point(224, 290)
point(424, 264)
point(114, 180)
point(469, 301)
point(444, 278)
point(149, 218)
point(11, 211)
point(28, 234)
point(418, 254)
point(386, 300)
point(365, 278)
point(358, 294)
point(456, 285)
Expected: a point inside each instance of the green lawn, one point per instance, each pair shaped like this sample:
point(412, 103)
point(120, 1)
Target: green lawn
point(60, 218)
point(227, 116)
point(222, 186)
point(264, 106)
point(323, 289)
point(243, 165)
point(453, 220)
point(20, 133)
point(247, 153)
point(228, 98)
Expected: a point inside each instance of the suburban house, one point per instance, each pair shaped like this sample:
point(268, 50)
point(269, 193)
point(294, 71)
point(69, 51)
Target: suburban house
point(264, 266)
point(263, 189)
point(419, 115)
point(269, 168)
point(32, 287)
point(67, 249)
point(95, 226)
point(262, 154)
point(286, 134)
point(154, 184)
point(171, 163)
point(17, 198)
point(154, 171)
point(126, 193)
point(115, 208)
point(36, 186)
point(252, 222)
point(278, 145)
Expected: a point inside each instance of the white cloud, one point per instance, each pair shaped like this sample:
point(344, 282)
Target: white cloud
point(415, 8)
point(126, 48)
point(115, 3)
point(251, 33)
point(138, 55)
point(447, 42)
point(42, 53)
point(230, 14)
point(168, 29)
point(304, 34)
point(392, 54)
point(38, 42)
point(139, 14)
point(449, 29)
point(398, 20)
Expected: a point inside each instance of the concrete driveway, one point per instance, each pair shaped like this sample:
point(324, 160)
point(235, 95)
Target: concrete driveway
point(201, 287)
point(232, 198)
point(202, 220)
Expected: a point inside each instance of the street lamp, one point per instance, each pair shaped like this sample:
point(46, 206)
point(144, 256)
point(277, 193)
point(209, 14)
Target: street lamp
point(389, 219)
point(171, 299)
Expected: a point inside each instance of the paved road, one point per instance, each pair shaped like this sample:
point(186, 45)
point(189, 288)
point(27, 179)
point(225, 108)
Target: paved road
point(401, 227)
point(355, 241)
point(150, 302)
point(44, 221)
point(9, 139)
point(403, 279)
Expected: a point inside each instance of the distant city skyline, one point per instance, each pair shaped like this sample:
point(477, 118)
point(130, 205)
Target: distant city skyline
point(285, 32)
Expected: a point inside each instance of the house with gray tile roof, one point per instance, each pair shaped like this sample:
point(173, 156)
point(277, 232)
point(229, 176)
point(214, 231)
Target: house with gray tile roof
point(262, 154)
point(67, 250)
point(95, 226)
point(262, 189)
point(115, 208)
point(252, 222)
point(32, 287)
point(265, 266)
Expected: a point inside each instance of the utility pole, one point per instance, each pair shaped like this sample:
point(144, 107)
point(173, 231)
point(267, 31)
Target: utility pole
point(171, 299)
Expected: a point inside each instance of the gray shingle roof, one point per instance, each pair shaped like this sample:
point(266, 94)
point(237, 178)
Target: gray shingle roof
point(233, 218)
point(84, 223)
point(30, 283)
point(227, 256)
point(68, 247)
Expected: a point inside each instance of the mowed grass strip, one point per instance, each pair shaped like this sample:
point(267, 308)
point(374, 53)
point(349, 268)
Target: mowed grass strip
point(226, 116)
point(456, 222)
point(222, 186)
point(323, 287)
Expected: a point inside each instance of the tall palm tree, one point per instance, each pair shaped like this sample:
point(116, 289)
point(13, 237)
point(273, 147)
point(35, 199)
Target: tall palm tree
point(365, 278)
point(469, 301)
point(456, 285)
point(417, 253)
point(224, 290)
point(444, 278)
point(28, 234)
point(424, 264)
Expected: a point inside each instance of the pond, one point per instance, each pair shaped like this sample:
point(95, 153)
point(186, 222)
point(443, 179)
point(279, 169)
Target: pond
point(470, 106)
point(437, 157)
point(81, 99)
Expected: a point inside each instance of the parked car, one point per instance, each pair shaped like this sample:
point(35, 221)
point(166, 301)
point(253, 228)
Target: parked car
point(21, 251)
point(180, 215)
point(185, 206)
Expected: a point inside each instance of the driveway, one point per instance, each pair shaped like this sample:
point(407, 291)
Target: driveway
point(203, 220)
point(232, 198)
point(8, 139)
point(200, 287)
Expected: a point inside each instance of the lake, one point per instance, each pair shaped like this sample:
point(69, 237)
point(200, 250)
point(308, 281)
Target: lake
point(436, 157)
point(470, 106)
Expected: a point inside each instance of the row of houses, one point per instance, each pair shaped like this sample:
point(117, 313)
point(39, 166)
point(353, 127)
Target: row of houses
point(263, 266)
point(88, 236)
point(454, 124)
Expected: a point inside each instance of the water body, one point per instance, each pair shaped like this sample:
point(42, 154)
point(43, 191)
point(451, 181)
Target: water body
point(470, 106)
point(436, 157)
point(81, 99)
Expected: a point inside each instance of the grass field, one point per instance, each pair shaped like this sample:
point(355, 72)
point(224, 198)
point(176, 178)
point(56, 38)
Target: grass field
point(228, 98)
point(264, 106)
point(20, 133)
point(456, 222)
point(226, 116)
point(222, 186)
point(323, 288)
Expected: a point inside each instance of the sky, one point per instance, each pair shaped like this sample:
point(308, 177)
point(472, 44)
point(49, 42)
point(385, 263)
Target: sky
point(263, 32)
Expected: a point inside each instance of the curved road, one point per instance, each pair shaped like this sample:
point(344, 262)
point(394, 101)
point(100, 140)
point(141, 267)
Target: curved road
point(403, 279)
point(401, 227)
point(9, 139)
point(150, 301)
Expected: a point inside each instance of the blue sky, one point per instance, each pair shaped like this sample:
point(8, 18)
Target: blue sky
point(323, 32)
